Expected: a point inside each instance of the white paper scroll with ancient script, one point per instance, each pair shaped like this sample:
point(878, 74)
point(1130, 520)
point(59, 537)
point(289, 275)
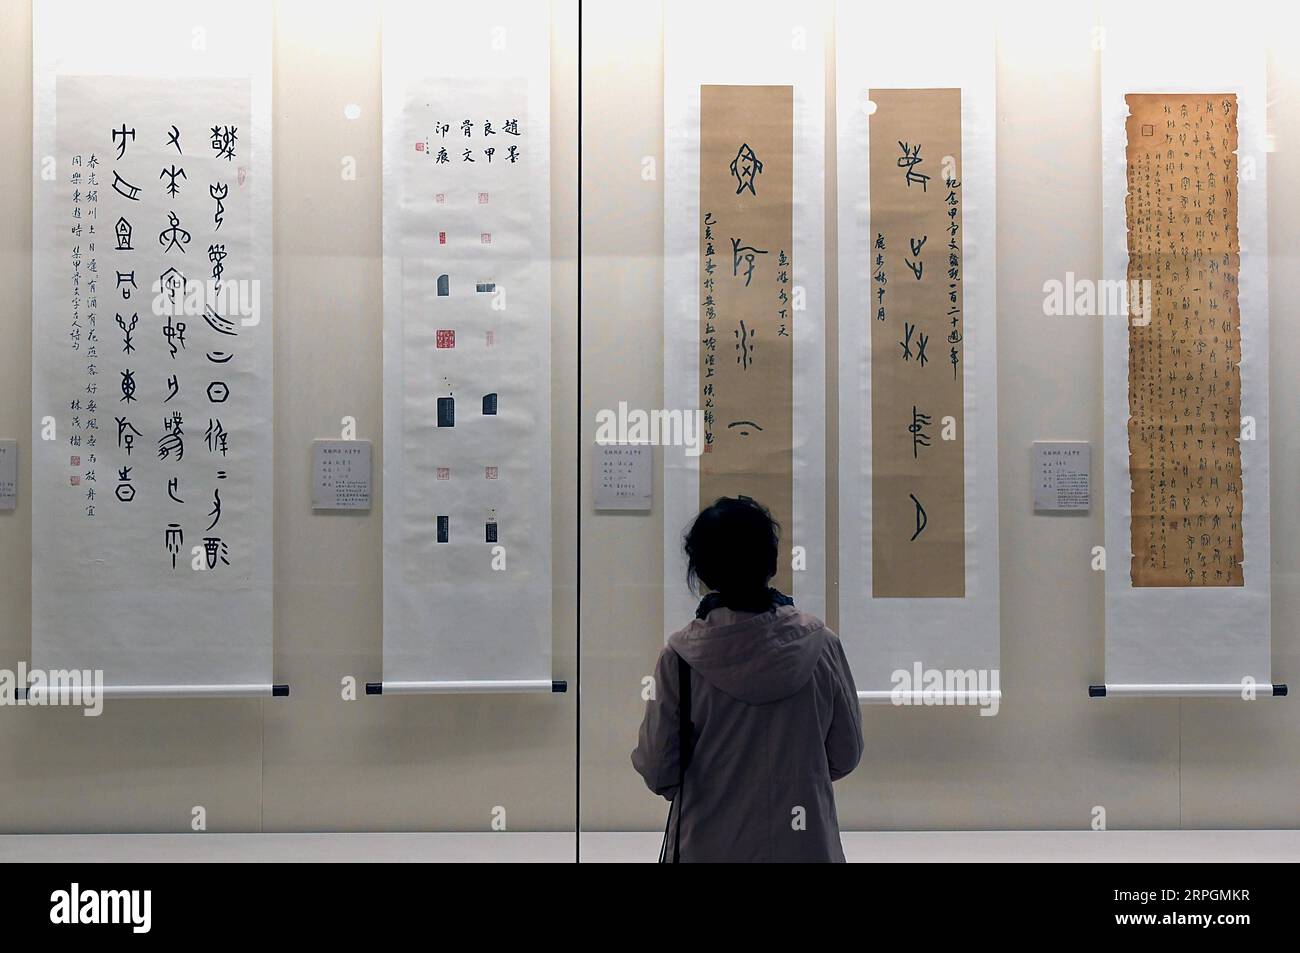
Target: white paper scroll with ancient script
point(467, 336)
point(151, 345)
point(918, 475)
point(743, 278)
point(1186, 371)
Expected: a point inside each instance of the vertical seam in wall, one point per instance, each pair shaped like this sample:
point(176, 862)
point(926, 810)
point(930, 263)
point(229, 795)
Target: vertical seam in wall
point(578, 484)
point(1180, 764)
point(831, 304)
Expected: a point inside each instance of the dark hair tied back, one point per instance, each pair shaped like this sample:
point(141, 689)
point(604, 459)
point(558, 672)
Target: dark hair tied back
point(732, 547)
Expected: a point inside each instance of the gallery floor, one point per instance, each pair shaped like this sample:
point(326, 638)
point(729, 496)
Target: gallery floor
point(891, 846)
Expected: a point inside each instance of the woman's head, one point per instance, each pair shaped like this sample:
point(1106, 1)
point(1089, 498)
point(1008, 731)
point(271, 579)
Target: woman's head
point(732, 546)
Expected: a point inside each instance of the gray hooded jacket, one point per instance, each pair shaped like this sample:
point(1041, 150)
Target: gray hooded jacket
point(776, 721)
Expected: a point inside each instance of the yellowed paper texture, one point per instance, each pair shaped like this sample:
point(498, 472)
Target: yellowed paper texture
point(1184, 381)
point(747, 306)
point(918, 536)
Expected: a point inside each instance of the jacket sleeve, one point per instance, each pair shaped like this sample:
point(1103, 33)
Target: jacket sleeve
point(844, 739)
point(656, 755)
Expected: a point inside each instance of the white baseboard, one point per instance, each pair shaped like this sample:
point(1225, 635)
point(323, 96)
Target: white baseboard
point(631, 847)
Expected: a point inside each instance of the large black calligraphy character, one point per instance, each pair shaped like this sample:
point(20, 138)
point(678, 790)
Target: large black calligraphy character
point(223, 141)
point(219, 192)
point(746, 167)
point(171, 174)
point(746, 254)
point(122, 134)
point(172, 442)
point(173, 236)
point(125, 189)
point(128, 328)
point(921, 519)
point(917, 429)
point(908, 161)
point(174, 539)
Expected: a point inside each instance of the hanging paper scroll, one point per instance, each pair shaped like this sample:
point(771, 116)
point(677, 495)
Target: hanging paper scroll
point(1186, 367)
point(1185, 530)
point(917, 354)
point(151, 345)
point(467, 512)
point(917, 330)
point(743, 288)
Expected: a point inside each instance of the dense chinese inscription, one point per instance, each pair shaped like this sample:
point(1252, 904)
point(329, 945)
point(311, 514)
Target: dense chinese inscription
point(1184, 379)
point(158, 300)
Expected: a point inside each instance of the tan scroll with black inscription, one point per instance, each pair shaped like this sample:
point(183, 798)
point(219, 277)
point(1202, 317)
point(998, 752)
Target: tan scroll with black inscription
point(917, 326)
point(747, 308)
point(1184, 379)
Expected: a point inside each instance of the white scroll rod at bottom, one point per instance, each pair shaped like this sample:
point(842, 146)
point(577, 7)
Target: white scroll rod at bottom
point(1187, 690)
point(467, 687)
point(49, 694)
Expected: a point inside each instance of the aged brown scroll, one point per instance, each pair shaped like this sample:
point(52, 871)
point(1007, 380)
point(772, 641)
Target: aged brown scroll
point(1184, 380)
point(747, 299)
point(918, 543)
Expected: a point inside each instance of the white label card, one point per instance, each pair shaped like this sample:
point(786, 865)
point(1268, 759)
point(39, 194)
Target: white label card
point(1061, 471)
point(8, 474)
point(340, 475)
point(624, 479)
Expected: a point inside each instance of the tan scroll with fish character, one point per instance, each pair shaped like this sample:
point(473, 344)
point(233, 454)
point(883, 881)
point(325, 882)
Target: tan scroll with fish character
point(746, 297)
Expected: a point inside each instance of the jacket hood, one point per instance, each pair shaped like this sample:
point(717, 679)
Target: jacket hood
point(755, 658)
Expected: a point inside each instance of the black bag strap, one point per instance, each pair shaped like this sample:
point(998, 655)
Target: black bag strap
point(685, 748)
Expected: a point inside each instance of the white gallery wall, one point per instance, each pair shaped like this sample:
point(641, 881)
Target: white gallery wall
point(311, 761)
point(1051, 755)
